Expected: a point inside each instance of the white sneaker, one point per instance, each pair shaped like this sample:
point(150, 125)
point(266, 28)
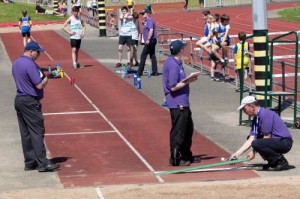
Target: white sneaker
point(75, 66)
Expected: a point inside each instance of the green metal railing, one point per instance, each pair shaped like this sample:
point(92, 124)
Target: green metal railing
point(269, 67)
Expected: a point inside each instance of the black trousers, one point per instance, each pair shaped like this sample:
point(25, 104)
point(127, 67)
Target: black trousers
point(31, 125)
point(271, 149)
point(148, 50)
point(181, 132)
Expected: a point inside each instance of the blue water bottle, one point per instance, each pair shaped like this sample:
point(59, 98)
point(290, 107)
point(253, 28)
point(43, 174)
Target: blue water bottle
point(149, 72)
point(58, 66)
point(135, 79)
point(139, 83)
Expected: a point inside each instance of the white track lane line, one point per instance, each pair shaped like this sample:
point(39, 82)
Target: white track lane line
point(113, 126)
point(99, 193)
point(70, 113)
point(79, 133)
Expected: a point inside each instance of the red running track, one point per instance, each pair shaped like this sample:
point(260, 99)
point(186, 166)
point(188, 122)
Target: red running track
point(240, 20)
point(108, 132)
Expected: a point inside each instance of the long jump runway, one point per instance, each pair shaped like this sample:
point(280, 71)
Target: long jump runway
point(103, 130)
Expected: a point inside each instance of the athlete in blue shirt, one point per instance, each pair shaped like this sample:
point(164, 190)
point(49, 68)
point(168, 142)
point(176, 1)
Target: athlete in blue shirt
point(25, 26)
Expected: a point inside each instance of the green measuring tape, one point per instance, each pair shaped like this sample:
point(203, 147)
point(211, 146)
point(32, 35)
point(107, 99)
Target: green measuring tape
point(202, 166)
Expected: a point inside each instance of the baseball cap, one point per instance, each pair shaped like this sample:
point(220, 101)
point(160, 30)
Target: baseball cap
point(245, 101)
point(145, 11)
point(177, 45)
point(34, 46)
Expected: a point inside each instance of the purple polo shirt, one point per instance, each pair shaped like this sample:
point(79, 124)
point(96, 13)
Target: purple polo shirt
point(149, 24)
point(173, 73)
point(269, 122)
point(27, 75)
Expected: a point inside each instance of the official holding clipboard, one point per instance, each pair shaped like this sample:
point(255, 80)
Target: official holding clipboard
point(176, 90)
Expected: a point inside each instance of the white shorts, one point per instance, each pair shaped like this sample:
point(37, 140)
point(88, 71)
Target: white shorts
point(49, 12)
point(203, 40)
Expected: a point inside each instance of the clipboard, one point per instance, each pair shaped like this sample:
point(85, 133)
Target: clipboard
point(194, 74)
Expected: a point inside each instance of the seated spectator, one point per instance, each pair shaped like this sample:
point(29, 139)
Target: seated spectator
point(40, 10)
point(7, 1)
point(62, 7)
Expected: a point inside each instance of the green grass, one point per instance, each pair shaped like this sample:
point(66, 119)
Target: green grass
point(292, 14)
point(11, 12)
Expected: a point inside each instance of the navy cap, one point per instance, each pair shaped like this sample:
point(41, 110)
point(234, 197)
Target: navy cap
point(34, 46)
point(145, 11)
point(176, 46)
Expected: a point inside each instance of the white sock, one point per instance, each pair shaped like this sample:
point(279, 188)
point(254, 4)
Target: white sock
point(222, 60)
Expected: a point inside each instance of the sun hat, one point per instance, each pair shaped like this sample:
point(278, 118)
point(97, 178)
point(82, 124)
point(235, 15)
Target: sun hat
point(246, 100)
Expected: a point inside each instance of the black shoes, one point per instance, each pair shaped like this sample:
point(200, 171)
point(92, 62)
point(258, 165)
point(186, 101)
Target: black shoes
point(31, 168)
point(49, 167)
point(281, 164)
point(154, 74)
point(195, 159)
point(183, 162)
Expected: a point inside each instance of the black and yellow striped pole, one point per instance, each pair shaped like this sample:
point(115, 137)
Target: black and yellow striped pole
point(261, 57)
point(102, 19)
point(55, 5)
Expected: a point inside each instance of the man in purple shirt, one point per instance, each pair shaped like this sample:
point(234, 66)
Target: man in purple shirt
point(30, 82)
point(177, 97)
point(149, 36)
point(269, 136)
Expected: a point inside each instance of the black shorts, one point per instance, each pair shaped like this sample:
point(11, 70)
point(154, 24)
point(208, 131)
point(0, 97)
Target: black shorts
point(75, 43)
point(24, 34)
point(201, 1)
point(125, 40)
point(134, 42)
point(212, 57)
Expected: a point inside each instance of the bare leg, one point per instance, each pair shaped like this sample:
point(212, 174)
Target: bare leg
point(212, 69)
point(215, 53)
point(128, 53)
point(224, 49)
point(74, 55)
point(24, 41)
point(207, 47)
point(120, 53)
point(135, 53)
